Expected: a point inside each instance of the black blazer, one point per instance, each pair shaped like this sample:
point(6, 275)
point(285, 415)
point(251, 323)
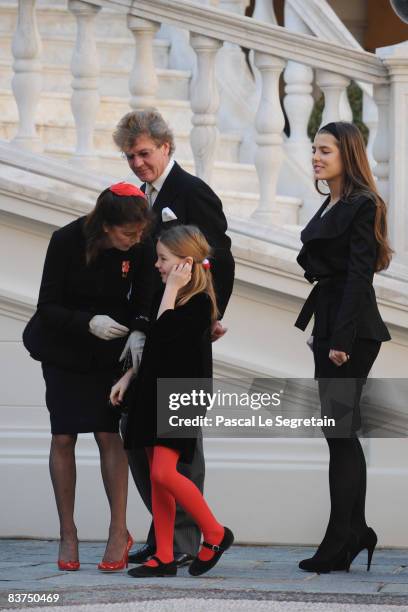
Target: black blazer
point(339, 251)
point(194, 202)
point(119, 284)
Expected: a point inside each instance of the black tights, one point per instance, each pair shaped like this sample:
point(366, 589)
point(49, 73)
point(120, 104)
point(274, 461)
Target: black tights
point(340, 391)
point(348, 484)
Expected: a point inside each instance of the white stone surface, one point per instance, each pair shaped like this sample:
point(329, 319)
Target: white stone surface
point(38, 194)
point(204, 100)
point(27, 80)
point(396, 59)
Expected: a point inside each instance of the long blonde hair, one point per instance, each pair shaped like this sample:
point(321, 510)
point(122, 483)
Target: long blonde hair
point(188, 241)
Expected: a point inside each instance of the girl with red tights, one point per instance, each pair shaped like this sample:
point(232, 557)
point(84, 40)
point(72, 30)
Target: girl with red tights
point(178, 345)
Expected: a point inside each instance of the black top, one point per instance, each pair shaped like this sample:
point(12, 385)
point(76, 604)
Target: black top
point(118, 284)
point(178, 345)
point(195, 203)
point(340, 251)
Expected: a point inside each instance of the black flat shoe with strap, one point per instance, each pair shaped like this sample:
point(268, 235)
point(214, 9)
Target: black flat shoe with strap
point(160, 570)
point(199, 566)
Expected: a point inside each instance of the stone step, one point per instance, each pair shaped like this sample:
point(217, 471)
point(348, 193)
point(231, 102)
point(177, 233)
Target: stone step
point(226, 175)
point(173, 84)
point(240, 206)
point(55, 124)
point(54, 17)
point(113, 52)
point(53, 134)
point(56, 107)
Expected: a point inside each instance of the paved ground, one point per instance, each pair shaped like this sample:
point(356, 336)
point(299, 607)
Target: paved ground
point(251, 573)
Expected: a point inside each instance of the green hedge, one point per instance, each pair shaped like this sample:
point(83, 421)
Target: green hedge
point(355, 96)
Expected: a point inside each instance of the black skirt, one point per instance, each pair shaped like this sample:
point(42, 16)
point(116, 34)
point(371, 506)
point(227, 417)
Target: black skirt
point(78, 401)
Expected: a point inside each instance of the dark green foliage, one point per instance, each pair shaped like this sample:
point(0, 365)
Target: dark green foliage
point(355, 96)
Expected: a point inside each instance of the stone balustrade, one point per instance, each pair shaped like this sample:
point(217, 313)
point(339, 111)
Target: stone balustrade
point(299, 55)
point(26, 83)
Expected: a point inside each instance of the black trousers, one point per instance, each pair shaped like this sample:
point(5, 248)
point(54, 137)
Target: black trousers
point(340, 387)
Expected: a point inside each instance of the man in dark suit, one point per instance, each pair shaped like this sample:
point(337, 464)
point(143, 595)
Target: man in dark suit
point(175, 196)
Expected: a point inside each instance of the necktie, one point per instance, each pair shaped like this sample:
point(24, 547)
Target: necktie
point(149, 191)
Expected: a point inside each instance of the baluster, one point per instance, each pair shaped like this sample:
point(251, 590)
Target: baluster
point(298, 101)
point(298, 104)
point(269, 124)
point(27, 79)
point(233, 6)
point(204, 104)
point(143, 82)
point(390, 147)
point(264, 11)
point(381, 149)
point(85, 71)
point(370, 118)
point(334, 87)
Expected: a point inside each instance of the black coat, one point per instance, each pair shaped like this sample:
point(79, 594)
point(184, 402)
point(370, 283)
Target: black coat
point(72, 292)
point(178, 346)
point(339, 251)
point(194, 203)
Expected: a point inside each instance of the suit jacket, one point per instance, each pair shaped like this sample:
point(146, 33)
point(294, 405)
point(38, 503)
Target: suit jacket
point(194, 202)
point(339, 251)
point(119, 284)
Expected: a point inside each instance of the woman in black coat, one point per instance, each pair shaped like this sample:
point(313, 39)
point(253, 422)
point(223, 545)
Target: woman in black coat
point(344, 244)
point(96, 287)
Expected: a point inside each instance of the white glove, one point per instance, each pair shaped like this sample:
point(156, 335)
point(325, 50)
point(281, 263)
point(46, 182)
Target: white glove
point(309, 343)
point(106, 328)
point(134, 344)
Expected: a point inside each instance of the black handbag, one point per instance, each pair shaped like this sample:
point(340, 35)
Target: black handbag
point(51, 345)
point(36, 337)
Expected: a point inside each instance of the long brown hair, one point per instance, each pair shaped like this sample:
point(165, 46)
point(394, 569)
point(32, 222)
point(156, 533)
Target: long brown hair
point(188, 241)
point(358, 181)
point(112, 209)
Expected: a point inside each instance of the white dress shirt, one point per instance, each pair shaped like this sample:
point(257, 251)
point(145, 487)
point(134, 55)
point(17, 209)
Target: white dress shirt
point(152, 189)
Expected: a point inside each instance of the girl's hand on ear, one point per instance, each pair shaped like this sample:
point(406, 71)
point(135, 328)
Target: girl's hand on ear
point(179, 276)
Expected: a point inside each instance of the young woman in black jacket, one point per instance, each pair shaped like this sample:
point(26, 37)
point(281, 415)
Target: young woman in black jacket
point(96, 287)
point(344, 244)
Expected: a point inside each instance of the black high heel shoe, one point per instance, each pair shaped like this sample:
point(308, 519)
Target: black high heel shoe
point(322, 563)
point(368, 540)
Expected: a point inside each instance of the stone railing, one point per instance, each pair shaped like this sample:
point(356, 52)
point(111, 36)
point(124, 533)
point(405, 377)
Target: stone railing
point(322, 21)
point(275, 50)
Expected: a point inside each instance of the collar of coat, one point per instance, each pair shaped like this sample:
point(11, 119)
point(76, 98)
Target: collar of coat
point(335, 222)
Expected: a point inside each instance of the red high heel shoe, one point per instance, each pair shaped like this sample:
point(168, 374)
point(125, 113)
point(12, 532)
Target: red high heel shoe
point(114, 566)
point(68, 566)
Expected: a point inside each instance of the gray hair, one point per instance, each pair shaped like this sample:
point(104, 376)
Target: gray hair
point(147, 122)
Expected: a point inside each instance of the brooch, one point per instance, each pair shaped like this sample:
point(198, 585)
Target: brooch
point(125, 268)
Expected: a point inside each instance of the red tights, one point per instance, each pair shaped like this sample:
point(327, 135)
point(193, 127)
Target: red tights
point(168, 488)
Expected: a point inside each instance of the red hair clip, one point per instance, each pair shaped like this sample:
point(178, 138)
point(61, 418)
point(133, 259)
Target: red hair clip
point(206, 264)
point(127, 189)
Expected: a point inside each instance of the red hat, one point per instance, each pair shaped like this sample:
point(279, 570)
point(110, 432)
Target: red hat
point(127, 189)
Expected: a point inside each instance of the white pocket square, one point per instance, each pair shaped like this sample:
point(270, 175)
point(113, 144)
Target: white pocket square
point(168, 215)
